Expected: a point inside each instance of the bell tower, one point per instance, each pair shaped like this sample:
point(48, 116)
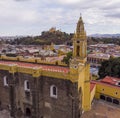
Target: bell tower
point(79, 45)
point(80, 42)
point(79, 68)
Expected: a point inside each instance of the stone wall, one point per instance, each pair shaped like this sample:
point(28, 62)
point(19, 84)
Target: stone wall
point(4, 91)
point(61, 106)
point(38, 99)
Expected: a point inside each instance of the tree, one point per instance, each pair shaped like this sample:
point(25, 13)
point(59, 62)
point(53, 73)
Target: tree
point(67, 58)
point(110, 67)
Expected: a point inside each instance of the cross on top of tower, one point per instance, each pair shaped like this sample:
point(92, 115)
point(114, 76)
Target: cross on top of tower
point(80, 17)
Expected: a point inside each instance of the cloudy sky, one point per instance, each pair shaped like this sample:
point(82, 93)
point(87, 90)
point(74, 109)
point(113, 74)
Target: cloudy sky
point(30, 17)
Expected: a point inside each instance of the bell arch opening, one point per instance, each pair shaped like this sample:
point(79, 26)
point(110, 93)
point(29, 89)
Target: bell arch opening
point(28, 112)
point(78, 50)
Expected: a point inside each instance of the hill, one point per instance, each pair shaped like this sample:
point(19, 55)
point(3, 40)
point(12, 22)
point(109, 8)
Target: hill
point(59, 37)
point(105, 35)
point(46, 37)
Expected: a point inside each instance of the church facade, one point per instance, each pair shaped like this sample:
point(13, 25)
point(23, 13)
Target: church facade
point(48, 91)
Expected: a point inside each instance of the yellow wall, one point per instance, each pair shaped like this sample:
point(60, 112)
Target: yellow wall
point(37, 72)
point(107, 90)
point(62, 63)
point(26, 59)
point(45, 62)
point(84, 83)
point(32, 60)
point(8, 58)
point(92, 94)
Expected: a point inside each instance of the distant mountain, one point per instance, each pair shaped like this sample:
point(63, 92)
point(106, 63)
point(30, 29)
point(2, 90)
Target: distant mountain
point(4, 39)
point(10, 37)
point(105, 35)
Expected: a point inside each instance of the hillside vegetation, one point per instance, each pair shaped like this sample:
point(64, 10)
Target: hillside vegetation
point(58, 37)
point(46, 37)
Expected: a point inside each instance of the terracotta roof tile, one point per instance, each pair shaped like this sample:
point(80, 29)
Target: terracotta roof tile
point(92, 85)
point(110, 80)
point(44, 67)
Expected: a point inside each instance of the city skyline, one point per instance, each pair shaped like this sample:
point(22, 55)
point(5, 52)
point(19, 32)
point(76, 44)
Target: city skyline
point(31, 17)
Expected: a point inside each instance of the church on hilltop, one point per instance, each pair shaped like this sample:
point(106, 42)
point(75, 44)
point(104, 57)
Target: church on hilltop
point(48, 91)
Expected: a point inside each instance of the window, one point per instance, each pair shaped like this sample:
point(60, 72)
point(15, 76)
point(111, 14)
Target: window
point(102, 97)
point(26, 85)
point(5, 79)
point(28, 112)
point(109, 99)
point(78, 50)
point(53, 91)
point(115, 101)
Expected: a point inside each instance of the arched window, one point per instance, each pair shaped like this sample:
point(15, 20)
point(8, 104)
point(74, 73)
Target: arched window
point(5, 79)
point(28, 112)
point(53, 91)
point(26, 85)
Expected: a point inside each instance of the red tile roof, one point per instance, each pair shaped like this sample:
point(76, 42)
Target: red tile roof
point(44, 67)
point(92, 85)
point(110, 80)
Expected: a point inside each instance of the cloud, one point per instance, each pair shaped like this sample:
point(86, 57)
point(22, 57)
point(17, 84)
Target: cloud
point(33, 16)
point(114, 15)
point(69, 1)
point(21, 0)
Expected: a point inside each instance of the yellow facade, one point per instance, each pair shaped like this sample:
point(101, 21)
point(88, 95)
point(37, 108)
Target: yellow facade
point(4, 57)
point(108, 90)
point(93, 92)
point(32, 60)
point(79, 65)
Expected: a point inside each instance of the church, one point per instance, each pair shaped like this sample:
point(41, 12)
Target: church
point(48, 91)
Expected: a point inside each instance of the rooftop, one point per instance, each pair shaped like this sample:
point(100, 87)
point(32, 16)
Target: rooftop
point(31, 65)
point(99, 55)
point(111, 80)
point(108, 81)
point(92, 85)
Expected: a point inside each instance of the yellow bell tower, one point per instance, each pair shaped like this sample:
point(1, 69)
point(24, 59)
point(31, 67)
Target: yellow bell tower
point(80, 42)
point(79, 45)
point(79, 68)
